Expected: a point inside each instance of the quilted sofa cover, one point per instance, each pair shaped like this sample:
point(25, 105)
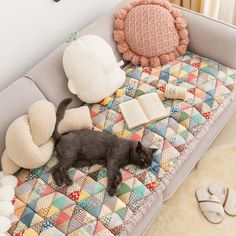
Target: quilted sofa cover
point(85, 208)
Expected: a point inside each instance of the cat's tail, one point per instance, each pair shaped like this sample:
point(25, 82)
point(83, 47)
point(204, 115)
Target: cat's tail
point(59, 116)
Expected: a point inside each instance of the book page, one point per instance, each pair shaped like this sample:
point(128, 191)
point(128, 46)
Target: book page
point(133, 113)
point(152, 107)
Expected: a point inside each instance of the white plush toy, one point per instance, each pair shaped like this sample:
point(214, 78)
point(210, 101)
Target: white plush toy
point(91, 68)
point(7, 192)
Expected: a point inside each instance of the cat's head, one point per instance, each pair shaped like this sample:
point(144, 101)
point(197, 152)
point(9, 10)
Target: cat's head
point(142, 156)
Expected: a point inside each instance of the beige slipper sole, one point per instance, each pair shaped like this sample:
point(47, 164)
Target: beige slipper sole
point(226, 196)
point(210, 206)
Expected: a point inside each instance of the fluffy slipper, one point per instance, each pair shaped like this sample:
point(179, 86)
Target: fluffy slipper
point(210, 206)
point(226, 196)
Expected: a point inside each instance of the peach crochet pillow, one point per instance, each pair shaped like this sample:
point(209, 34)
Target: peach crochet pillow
point(150, 32)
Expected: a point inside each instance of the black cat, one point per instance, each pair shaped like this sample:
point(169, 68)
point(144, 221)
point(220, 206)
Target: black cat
point(82, 148)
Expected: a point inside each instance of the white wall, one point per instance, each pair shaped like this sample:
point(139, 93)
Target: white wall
point(31, 29)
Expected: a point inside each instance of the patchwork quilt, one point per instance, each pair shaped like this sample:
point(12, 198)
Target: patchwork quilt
point(85, 208)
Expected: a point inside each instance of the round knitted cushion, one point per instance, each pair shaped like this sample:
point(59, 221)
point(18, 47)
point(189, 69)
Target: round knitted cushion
point(150, 32)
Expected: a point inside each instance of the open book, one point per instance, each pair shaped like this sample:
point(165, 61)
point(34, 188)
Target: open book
point(142, 110)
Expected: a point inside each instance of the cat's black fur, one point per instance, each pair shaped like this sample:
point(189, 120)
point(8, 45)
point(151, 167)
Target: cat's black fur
point(82, 148)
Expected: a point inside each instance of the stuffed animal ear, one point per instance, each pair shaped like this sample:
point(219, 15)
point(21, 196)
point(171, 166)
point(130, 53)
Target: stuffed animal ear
point(71, 87)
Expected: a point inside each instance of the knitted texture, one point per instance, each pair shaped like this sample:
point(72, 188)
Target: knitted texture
point(150, 33)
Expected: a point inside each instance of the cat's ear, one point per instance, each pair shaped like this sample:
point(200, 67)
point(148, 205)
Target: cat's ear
point(139, 146)
point(154, 150)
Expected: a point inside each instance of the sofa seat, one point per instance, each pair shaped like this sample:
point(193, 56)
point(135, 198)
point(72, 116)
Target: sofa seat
point(183, 136)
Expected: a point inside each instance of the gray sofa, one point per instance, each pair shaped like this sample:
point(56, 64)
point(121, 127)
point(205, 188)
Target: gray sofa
point(46, 80)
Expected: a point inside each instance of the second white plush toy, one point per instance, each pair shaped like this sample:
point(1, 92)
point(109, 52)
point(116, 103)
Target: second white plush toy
point(8, 184)
point(91, 68)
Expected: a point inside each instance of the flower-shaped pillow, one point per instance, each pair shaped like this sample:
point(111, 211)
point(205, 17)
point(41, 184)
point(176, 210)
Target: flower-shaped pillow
point(150, 32)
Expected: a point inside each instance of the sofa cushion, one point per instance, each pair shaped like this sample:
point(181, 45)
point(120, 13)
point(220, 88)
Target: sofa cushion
point(50, 77)
point(103, 27)
point(150, 33)
point(14, 102)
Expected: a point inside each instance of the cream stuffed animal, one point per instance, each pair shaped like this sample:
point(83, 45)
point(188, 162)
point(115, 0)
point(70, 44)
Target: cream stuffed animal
point(28, 139)
point(92, 70)
point(7, 193)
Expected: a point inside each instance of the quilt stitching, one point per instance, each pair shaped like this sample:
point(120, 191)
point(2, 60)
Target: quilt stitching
point(85, 208)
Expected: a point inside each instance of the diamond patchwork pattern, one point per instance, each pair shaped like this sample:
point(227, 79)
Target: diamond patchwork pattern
point(85, 208)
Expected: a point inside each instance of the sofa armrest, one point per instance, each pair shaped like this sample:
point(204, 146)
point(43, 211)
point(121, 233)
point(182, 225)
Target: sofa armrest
point(211, 38)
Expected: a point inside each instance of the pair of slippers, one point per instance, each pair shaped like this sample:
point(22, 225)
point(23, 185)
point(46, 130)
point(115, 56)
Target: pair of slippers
point(216, 201)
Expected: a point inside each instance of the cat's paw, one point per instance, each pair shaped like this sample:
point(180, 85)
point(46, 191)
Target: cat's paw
point(59, 182)
point(112, 191)
point(57, 178)
point(68, 182)
point(117, 179)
